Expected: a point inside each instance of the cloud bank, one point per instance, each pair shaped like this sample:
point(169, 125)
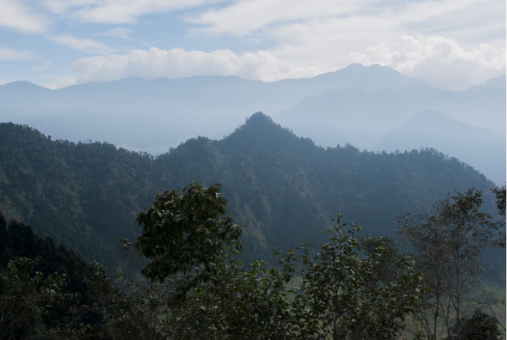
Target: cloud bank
point(177, 63)
point(439, 61)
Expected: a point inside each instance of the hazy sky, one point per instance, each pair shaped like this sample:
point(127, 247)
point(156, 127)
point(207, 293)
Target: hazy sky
point(451, 44)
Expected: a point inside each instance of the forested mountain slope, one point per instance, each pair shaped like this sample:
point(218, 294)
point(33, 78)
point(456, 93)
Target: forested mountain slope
point(281, 187)
point(481, 148)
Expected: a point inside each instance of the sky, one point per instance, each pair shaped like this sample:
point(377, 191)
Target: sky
point(451, 44)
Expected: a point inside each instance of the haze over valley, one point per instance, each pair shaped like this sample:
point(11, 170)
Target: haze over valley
point(368, 107)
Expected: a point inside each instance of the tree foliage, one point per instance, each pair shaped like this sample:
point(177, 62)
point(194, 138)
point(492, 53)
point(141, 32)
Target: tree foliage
point(182, 231)
point(345, 295)
point(196, 288)
point(27, 299)
point(478, 326)
point(450, 242)
point(500, 199)
point(360, 297)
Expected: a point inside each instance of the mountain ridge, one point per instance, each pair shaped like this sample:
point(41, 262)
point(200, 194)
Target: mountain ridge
point(155, 115)
point(281, 187)
point(481, 148)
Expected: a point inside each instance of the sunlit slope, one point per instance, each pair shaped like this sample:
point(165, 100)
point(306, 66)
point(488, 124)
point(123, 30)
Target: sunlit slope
point(281, 187)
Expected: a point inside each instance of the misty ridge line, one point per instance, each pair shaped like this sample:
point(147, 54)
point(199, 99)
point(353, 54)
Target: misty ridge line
point(368, 107)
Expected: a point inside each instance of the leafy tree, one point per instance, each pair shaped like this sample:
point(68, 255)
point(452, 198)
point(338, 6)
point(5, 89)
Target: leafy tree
point(479, 326)
point(355, 297)
point(27, 298)
point(241, 302)
point(450, 242)
point(20, 240)
point(353, 288)
point(191, 247)
point(185, 232)
point(500, 199)
point(136, 313)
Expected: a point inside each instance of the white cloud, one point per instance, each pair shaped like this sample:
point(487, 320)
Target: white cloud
point(439, 61)
point(247, 17)
point(42, 67)
point(307, 38)
point(244, 17)
point(59, 82)
point(83, 45)
point(3, 81)
point(324, 36)
point(120, 32)
point(16, 16)
point(118, 11)
point(9, 54)
point(178, 63)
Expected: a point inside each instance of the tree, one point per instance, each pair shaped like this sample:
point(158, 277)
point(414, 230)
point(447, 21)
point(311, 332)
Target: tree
point(189, 244)
point(27, 298)
point(358, 297)
point(137, 313)
point(450, 242)
point(500, 199)
point(199, 290)
point(4, 256)
point(429, 238)
point(184, 232)
point(242, 302)
point(191, 247)
point(479, 326)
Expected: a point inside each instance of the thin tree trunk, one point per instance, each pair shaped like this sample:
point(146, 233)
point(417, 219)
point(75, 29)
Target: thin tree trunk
point(435, 318)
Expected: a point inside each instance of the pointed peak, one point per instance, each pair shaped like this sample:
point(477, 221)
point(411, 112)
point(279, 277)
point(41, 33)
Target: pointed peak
point(258, 122)
point(256, 125)
point(259, 117)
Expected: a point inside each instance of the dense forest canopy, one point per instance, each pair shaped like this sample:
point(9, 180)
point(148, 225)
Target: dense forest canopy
point(281, 187)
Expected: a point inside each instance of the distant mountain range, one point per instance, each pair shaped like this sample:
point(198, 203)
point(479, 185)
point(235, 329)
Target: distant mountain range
point(357, 105)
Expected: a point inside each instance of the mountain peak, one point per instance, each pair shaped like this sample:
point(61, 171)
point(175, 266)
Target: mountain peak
point(22, 86)
point(259, 117)
point(258, 123)
point(496, 84)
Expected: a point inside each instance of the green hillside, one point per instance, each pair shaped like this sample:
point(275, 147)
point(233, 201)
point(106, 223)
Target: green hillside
point(281, 187)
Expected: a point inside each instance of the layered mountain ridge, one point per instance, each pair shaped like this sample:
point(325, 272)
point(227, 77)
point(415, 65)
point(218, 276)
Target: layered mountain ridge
point(283, 188)
point(357, 105)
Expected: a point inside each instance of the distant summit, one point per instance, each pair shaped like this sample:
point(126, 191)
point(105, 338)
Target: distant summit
point(493, 85)
point(23, 86)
